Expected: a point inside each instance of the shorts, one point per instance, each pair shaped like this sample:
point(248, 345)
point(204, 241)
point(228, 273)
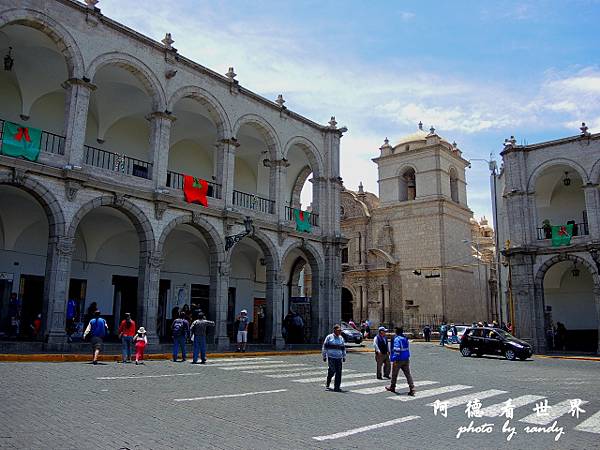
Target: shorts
point(242, 336)
point(96, 343)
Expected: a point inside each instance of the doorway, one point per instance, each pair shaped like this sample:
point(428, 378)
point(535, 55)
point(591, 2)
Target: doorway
point(346, 305)
point(32, 301)
point(125, 299)
point(260, 318)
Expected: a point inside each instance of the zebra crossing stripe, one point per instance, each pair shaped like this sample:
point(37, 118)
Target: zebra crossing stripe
point(362, 382)
point(464, 399)
point(307, 374)
point(277, 370)
point(496, 410)
point(431, 392)
point(265, 365)
point(591, 425)
point(316, 380)
point(238, 363)
point(367, 428)
point(378, 389)
point(235, 360)
point(554, 412)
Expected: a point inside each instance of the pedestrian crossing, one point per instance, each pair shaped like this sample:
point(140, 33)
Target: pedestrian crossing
point(362, 383)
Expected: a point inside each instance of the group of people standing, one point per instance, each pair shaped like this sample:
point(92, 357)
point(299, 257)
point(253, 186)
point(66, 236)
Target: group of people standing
point(391, 357)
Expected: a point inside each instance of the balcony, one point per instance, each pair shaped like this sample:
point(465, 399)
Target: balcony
point(50, 142)
point(289, 215)
point(579, 229)
point(253, 201)
point(175, 181)
point(117, 163)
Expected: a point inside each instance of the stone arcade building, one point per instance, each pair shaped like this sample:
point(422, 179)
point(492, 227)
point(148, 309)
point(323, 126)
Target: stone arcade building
point(420, 222)
point(100, 216)
point(552, 183)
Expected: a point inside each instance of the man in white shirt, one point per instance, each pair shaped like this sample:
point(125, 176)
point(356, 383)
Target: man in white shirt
point(382, 353)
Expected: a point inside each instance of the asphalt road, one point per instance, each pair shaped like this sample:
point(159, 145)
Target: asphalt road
point(280, 402)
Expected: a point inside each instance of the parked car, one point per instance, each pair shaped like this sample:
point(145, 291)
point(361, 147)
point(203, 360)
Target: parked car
point(350, 334)
point(493, 341)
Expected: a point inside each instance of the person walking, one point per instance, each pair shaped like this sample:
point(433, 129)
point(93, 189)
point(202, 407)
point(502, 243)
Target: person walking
point(400, 357)
point(427, 333)
point(98, 328)
point(199, 327)
point(334, 352)
point(454, 333)
point(140, 340)
point(242, 332)
point(126, 333)
point(181, 333)
point(382, 353)
point(443, 334)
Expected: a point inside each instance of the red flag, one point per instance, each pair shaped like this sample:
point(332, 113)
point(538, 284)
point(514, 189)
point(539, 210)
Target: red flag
point(195, 190)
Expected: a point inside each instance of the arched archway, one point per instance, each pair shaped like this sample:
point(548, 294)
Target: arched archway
point(113, 244)
point(191, 249)
point(302, 269)
point(407, 185)
point(568, 292)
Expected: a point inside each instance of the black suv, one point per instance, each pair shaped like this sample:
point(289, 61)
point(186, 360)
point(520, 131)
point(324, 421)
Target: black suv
point(493, 341)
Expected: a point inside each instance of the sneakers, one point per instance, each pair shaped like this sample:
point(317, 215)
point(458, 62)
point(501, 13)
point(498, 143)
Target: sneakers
point(136, 363)
point(411, 392)
point(338, 390)
point(390, 389)
point(379, 378)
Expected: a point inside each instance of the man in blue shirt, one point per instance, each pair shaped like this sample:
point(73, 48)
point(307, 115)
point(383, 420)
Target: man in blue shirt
point(98, 328)
point(400, 356)
point(334, 352)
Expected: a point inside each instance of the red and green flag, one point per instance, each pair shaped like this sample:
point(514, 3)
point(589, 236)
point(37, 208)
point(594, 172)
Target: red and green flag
point(195, 190)
point(302, 220)
point(561, 234)
point(19, 141)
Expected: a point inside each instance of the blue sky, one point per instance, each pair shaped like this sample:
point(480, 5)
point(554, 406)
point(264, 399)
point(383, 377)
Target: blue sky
point(479, 71)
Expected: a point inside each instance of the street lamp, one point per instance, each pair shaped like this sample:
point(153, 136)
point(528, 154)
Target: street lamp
point(493, 168)
point(230, 241)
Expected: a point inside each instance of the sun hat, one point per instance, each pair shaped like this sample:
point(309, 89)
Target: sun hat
point(142, 330)
point(382, 329)
point(243, 311)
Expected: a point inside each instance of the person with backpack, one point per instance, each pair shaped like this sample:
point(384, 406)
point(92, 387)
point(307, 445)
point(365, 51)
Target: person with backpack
point(181, 333)
point(199, 327)
point(98, 329)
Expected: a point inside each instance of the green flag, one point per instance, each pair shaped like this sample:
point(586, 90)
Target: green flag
point(561, 234)
point(302, 220)
point(21, 141)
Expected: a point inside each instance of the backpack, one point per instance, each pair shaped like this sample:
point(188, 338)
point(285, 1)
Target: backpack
point(177, 327)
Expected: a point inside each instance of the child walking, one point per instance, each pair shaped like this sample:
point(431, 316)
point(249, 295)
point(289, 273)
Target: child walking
point(140, 340)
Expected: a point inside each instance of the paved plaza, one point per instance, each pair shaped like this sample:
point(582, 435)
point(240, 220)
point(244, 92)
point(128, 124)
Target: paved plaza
point(280, 402)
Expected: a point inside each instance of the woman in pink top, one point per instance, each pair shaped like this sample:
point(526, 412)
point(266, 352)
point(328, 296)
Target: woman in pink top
point(140, 340)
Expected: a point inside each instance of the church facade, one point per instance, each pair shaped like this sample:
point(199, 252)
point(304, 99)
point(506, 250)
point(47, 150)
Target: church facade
point(98, 214)
point(409, 258)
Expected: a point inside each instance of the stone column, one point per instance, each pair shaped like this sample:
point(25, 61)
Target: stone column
point(219, 297)
point(56, 287)
point(274, 309)
point(148, 289)
point(592, 206)
point(76, 112)
point(225, 168)
point(277, 184)
point(160, 138)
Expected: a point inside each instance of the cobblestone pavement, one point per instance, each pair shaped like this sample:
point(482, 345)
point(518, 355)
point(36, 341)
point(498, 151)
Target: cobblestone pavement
point(178, 405)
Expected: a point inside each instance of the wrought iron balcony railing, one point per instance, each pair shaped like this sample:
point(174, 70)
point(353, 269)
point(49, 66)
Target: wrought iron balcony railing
point(289, 215)
point(253, 201)
point(175, 181)
point(118, 163)
point(579, 229)
point(50, 142)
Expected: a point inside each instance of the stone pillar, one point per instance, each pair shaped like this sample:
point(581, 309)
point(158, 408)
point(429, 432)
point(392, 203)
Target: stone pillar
point(56, 287)
point(219, 297)
point(592, 207)
point(277, 185)
point(225, 168)
point(148, 289)
point(76, 112)
point(596, 292)
point(160, 138)
point(386, 304)
point(275, 292)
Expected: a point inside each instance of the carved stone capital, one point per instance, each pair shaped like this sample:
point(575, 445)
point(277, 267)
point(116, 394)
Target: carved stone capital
point(78, 82)
point(65, 246)
point(159, 209)
point(161, 115)
point(71, 189)
point(224, 269)
point(19, 175)
point(155, 260)
point(118, 199)
point(232, 142)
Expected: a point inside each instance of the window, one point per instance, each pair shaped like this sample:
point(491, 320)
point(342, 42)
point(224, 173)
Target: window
point(453, 185)
point(407, 185)
point(345, 255)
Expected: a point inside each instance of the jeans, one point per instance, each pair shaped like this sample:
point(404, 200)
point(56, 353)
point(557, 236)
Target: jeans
point(335, 368)
point(443, 339)
point(199, 347)
point(126, 344)
point(179, 341)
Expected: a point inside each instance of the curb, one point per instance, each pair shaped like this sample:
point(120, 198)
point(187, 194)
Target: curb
point(576, 358)
point(155, 356)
